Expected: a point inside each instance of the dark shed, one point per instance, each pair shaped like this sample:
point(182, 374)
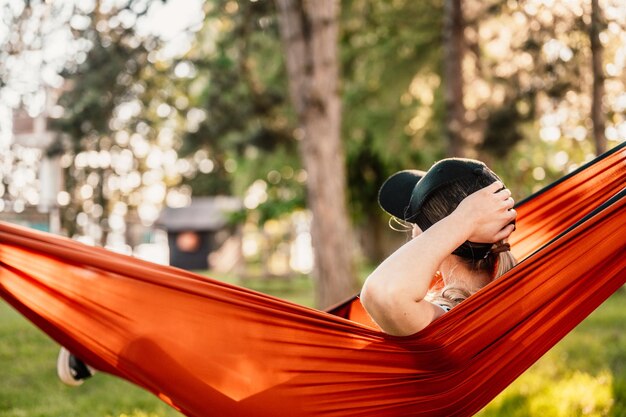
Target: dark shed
point(193, 232)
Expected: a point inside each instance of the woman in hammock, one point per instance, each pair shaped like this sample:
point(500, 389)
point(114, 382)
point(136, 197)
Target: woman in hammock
point(461, 215)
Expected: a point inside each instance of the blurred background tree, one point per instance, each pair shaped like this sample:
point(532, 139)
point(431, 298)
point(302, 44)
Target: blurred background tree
point(309, 33)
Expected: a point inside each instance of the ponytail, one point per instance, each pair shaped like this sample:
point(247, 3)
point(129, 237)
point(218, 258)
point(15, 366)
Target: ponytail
point(505, 261)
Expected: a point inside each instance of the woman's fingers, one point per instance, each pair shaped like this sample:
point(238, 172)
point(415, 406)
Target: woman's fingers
point(504, 233)
point(494, 187)
point(490, 211)
point(504, 193)
point(508, 219)
point(512, 214)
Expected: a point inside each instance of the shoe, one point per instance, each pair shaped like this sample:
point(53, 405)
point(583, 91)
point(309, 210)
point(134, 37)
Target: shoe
point(71, 370)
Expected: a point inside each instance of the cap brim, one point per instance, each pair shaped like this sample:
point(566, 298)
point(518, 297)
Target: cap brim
point(395, 193)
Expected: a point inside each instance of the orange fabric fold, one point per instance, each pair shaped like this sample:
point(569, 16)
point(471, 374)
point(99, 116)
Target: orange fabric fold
point(212, 349)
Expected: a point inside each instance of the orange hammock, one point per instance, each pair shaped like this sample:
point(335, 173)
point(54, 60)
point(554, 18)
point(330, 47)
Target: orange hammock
point(213, 349)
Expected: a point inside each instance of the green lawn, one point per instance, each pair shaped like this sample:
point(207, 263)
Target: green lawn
point(584, 375)
point(29, 386)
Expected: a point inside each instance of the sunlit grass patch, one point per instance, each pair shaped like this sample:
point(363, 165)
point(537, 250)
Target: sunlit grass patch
point(583, 375)
point(577, 394)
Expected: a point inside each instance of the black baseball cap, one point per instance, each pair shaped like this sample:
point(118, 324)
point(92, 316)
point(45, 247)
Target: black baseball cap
point(403, 194)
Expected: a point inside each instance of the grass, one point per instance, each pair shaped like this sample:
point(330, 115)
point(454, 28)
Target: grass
point(29, 386)
point(584, 375)
point(298, 288)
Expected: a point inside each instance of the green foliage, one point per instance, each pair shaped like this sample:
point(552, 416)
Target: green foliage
point(241, 86)
point(385, 45)
point(232, 107)
point(118, 71)
point(240, 82)
point(96, 91)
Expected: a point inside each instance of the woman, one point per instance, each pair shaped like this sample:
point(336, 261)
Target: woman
point(460, 214)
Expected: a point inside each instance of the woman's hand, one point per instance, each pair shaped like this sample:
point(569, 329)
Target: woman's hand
point(487, 214)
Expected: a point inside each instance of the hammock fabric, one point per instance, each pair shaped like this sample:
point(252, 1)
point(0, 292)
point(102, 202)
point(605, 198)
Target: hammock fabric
point(213, 349)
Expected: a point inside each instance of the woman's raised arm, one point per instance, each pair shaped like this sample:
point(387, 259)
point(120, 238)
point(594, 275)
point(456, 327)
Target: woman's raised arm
point(394, 293)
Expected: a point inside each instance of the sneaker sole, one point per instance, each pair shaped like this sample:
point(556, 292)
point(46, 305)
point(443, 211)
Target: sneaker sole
point(63, 369)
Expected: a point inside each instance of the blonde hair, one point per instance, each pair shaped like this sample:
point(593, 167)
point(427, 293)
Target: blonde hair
point(448, 293)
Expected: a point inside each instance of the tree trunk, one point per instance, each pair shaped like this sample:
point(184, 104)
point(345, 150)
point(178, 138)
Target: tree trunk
point(597, 113)
point(309, 32)
point(453, 50)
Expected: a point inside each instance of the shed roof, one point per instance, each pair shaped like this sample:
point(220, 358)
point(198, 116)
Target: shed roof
point(203, 214)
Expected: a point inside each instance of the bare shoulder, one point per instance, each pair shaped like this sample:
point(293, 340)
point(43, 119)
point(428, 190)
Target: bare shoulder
point(401, 317)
